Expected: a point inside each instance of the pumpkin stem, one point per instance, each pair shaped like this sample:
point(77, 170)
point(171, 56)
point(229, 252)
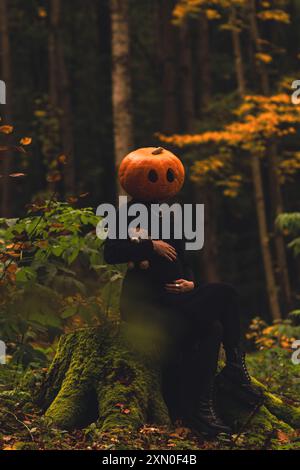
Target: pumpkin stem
point(157, 151)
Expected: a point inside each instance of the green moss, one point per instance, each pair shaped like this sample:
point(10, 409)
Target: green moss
point(96, 374)
point(99, 375)
point(26, 446)
point(283, 411)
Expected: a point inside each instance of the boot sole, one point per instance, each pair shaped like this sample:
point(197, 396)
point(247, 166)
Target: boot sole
point(203, 430)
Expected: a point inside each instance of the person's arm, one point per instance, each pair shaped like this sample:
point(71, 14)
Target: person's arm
point(128, 250)
point(188, 272)
point(123, 251)
point(186, 284)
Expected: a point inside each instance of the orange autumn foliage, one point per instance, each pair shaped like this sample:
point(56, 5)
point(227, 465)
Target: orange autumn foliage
point(260, 120)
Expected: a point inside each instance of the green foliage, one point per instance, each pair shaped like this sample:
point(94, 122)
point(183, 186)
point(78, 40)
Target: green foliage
point(289, 223)
point(272, 362)
point(53, 277)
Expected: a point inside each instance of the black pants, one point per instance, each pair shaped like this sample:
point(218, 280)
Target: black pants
point(204, 318)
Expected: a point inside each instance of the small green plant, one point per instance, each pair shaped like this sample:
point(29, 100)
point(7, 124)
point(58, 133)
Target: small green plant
point(52, 277)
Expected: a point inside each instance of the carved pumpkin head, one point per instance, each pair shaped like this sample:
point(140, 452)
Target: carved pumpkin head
point(151, 174)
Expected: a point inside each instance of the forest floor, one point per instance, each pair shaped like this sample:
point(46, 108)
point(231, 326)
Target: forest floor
point(22, 427)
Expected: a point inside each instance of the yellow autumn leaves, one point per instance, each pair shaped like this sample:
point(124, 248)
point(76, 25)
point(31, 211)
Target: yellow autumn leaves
point(212, 9)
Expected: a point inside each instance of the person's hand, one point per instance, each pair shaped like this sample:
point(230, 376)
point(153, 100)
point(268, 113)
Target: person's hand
point(180, 286)
point(164, 249)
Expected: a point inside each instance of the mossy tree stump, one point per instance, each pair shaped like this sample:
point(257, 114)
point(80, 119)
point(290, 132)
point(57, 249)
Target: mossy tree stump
point(97, 375)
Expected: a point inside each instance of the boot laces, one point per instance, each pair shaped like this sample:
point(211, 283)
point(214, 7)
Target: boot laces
point(211, 405)
point(244, 365)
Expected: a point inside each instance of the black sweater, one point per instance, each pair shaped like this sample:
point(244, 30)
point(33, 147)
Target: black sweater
point(143, 289)
point(117, 251)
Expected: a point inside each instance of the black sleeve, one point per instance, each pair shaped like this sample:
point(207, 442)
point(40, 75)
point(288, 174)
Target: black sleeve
point(188, 273)
point(187, 270)
point(122, 251)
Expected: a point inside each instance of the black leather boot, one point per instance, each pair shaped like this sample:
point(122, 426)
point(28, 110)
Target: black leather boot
point(205, 420)
point(236, 380)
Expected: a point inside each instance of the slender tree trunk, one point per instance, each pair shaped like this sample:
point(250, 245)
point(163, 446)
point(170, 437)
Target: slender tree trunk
point(277, 208)
point(238, 57)
point(60, 94)
point(204, 64)
point(210, 251)
point(209, 254)
point(52, 54)
point(5, 63)
point(53, 73)
point(274, 183)
point(256, 39)
point(66, 119)
point(121, 82)
point(258, 188)
point(186, 78)
point(167, 33)
point(264, 239)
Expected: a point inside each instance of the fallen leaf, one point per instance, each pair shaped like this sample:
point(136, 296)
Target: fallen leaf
point(282, 436)
point(6, 129)
point(26, 141)
point(16, 175)
point(62, 159)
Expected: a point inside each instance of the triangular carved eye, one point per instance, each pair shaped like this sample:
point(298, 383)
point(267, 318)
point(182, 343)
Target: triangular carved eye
point(152, 176)
point(170, 175)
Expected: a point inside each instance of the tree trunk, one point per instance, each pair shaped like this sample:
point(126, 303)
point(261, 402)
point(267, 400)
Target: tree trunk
point(59, 90)
point(52, 53)
point(238, 57)
point(264, 237)
point(186, 79)
point(277, 208)
point(97, 376)
point(121, 82)
point(204, 65)
point(258, 186)
point(203, 194)
point(167, 34)
point(209, 254)
point(274, 183)
point(5, 52)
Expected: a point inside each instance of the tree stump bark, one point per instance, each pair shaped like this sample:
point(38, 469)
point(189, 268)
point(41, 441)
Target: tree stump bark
point(98, 375)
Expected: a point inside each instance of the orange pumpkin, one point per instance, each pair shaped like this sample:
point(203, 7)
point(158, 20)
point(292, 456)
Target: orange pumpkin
point(151, 174)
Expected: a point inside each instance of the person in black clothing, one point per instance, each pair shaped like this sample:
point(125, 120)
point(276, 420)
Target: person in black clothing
point(197, 317)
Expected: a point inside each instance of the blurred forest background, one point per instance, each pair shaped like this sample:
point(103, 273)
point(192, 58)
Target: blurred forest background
point(87, 82)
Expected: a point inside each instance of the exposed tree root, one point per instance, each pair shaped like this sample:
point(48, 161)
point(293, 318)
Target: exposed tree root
point(97, 376)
